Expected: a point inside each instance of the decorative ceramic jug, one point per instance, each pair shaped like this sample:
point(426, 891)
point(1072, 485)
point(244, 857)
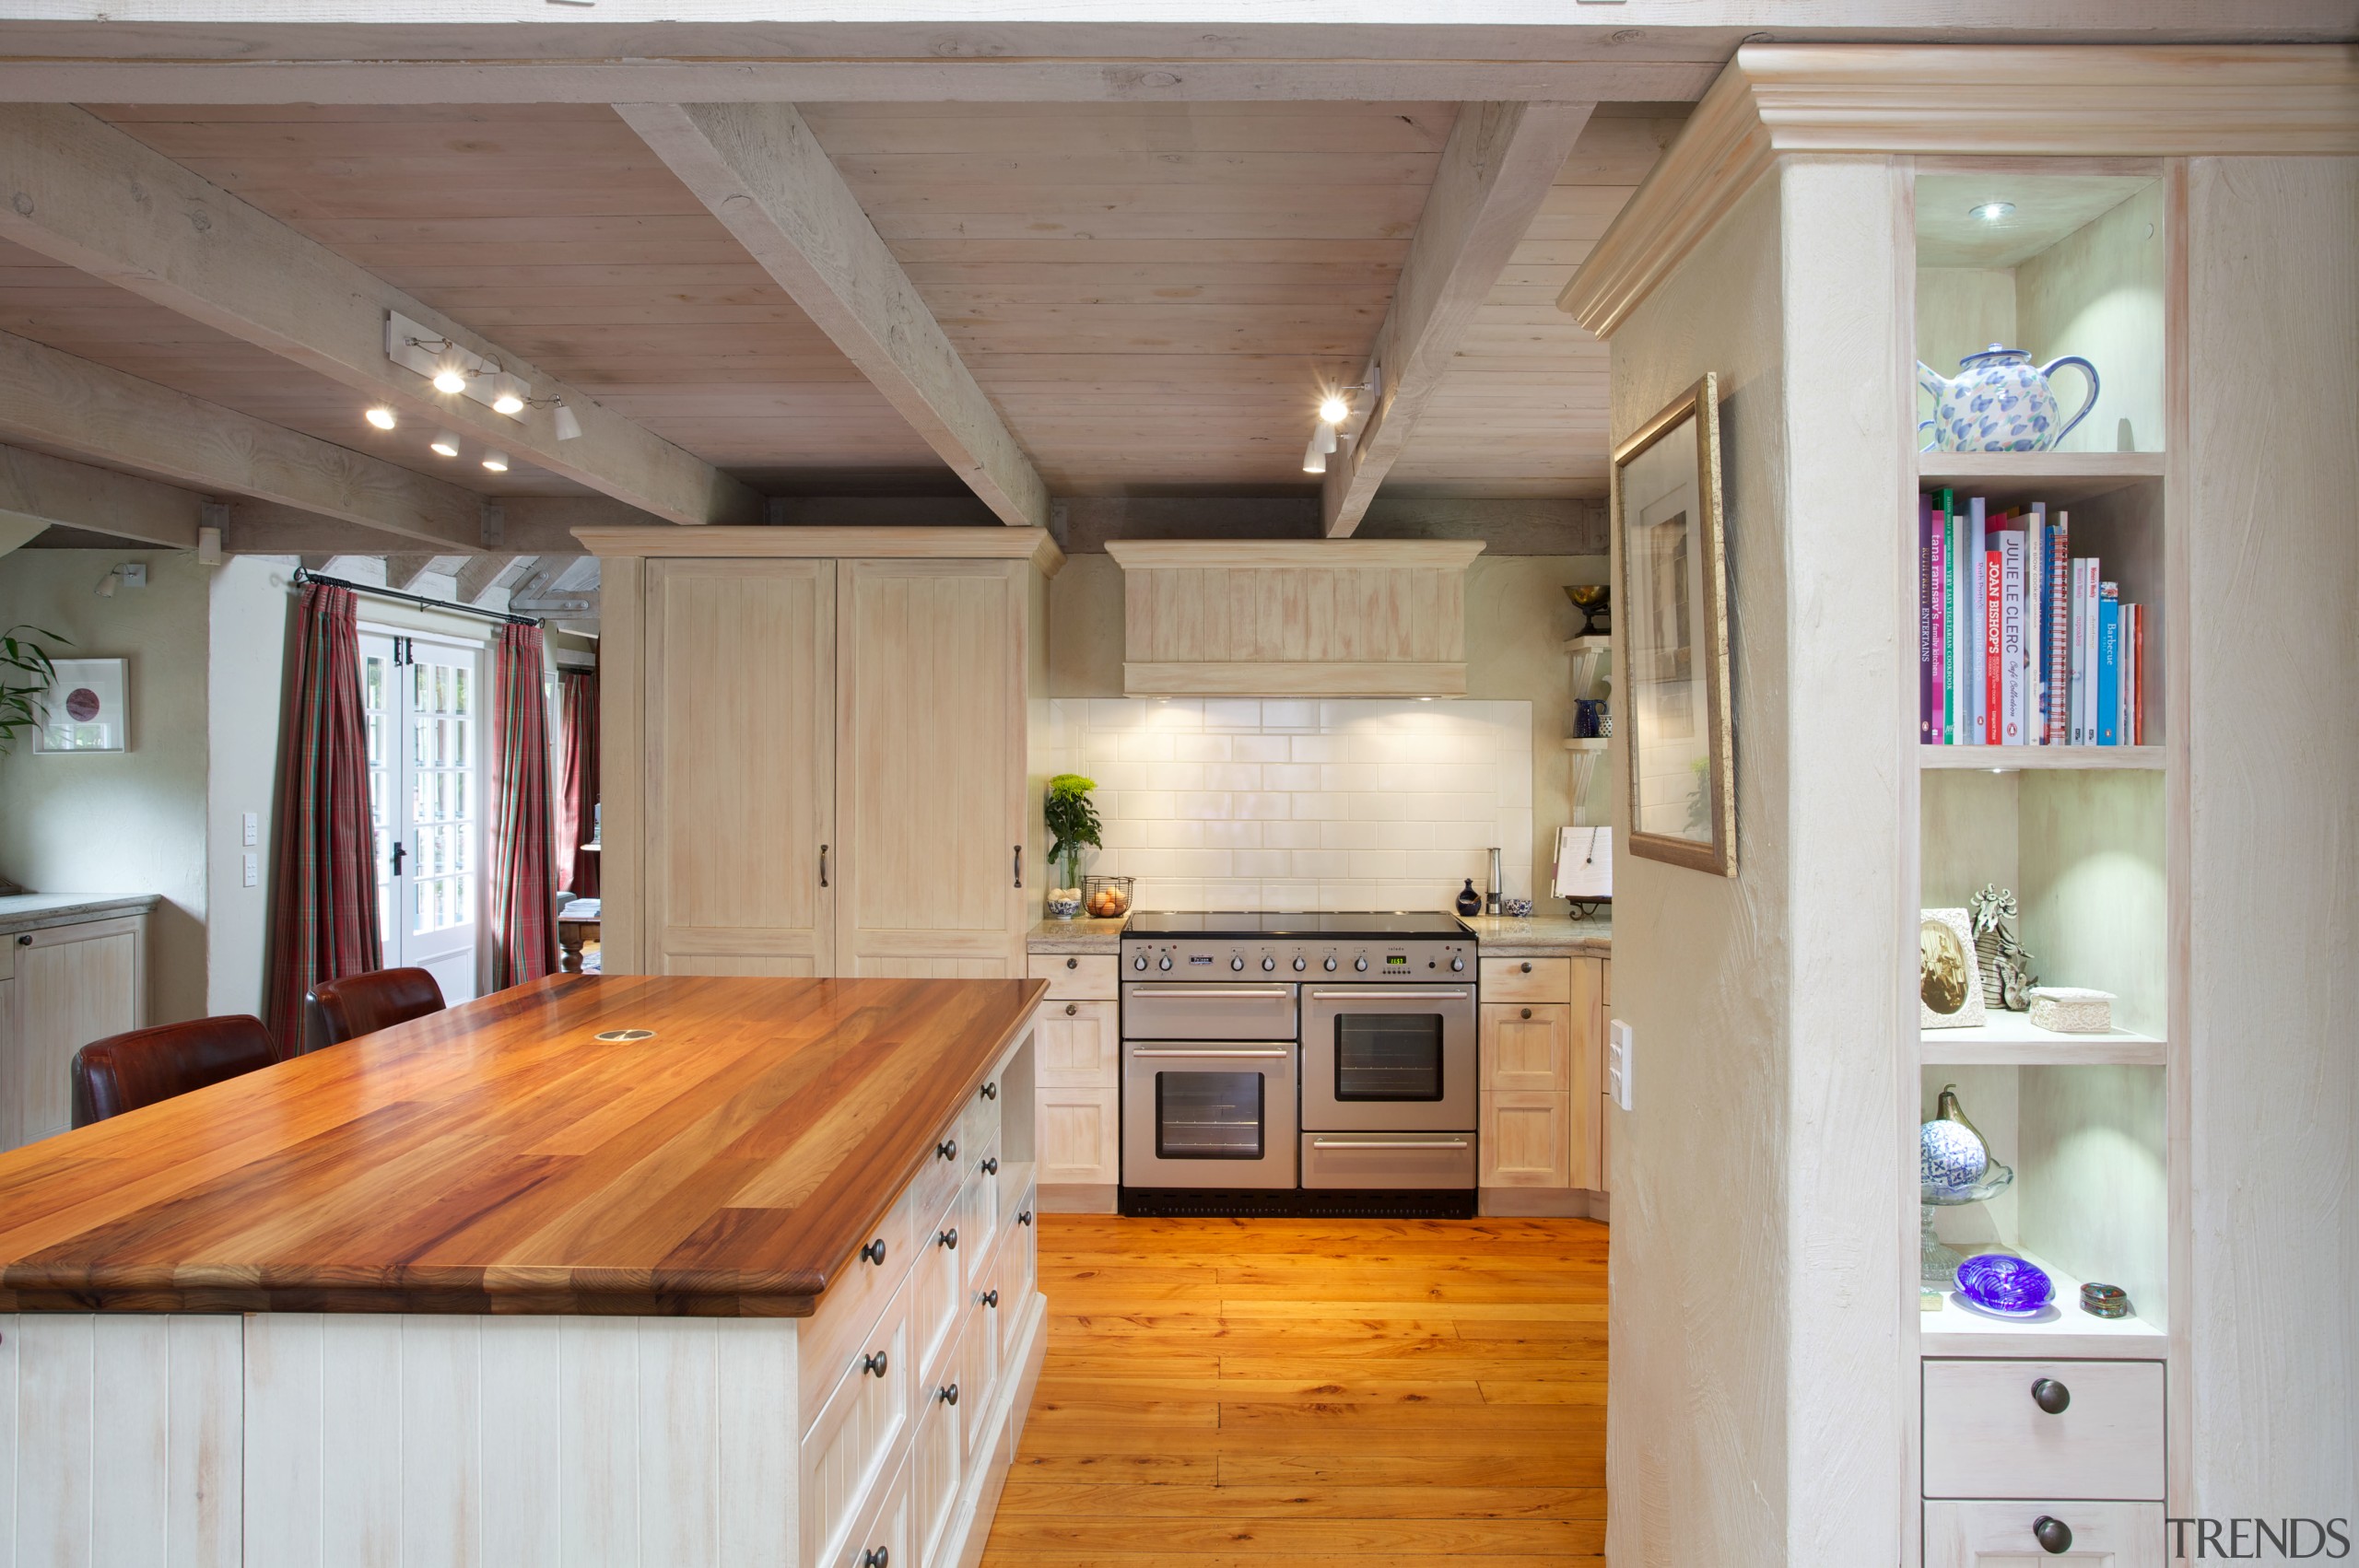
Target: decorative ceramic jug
point(2000, 403)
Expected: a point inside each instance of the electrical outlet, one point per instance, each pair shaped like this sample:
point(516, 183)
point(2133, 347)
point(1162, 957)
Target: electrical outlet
point(1617, 1063)
point(253, 822)
point(254, 871)
point(134, 574)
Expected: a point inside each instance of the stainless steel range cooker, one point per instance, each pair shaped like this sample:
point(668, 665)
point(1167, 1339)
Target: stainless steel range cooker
point(1298, 1063)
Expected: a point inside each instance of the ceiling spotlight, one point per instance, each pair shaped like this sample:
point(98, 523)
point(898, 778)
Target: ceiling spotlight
point(1314, 456)
point(1991, 212)
point(380, 417)
point(449, 378)
point(446, 443)
point(504, 398)
point(496, 461)
point(1333, 409)
point(568, 423)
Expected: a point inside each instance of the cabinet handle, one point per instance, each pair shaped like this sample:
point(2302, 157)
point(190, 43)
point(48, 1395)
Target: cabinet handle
point(25, 939)
point(1073, 963)
point(947, 1150)
point(1527, 1013)
point(948, 1394)
point(822, 865)
point(874, 1364)
point(874, 1252)
point(1019, 865)
point(876, 1557)
point(948, 1238)
point(989, 1298)
point(2055, 1537)
point(990, 1091)
point(1073, 1010)
point(989, 1167)
point(2051, 1395)
point(1527, 966)
point(1025, 1218)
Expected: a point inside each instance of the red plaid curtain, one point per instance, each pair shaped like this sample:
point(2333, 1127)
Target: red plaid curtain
point(577, 778)
point(324, 908)
point(524, 908)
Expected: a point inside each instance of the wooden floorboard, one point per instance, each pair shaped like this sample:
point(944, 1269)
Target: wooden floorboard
point(1325, 1394)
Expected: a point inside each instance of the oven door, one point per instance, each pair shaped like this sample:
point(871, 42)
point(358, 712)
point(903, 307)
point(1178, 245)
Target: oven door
point(1387, 1058)
point(1208, 1116)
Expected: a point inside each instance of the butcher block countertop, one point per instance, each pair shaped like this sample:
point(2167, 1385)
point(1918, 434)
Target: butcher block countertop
point(496, 1158)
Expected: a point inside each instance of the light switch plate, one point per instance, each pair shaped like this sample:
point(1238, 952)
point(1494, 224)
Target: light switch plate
point(1617, 1063)
point(254, 871)
point(134, 574)
point(252, 825)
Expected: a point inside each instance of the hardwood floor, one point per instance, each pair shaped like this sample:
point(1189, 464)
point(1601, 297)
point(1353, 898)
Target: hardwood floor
point(1320, 1393)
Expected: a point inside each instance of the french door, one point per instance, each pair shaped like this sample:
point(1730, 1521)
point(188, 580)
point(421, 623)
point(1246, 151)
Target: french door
point(423, 699)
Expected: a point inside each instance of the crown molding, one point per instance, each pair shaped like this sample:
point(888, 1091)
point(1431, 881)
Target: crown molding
point(1150, 555)
point(2033, 101)
point(793, 541)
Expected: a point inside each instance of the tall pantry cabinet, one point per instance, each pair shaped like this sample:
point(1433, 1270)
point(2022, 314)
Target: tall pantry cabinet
point(817, 749)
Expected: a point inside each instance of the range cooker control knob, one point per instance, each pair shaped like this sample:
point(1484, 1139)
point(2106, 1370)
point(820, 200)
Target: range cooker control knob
point(1458, 964)
point(1361, 961)
point(1300, 963)
point(1268, 963)
point(1330, 962)
point(1140, 962)
point(1166, 964)
point(1236, 961)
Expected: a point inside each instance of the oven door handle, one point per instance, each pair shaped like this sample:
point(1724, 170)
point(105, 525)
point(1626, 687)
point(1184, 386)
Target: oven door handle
point(1375, 992)
point(1168, 1055)
point(1262, 993)
point(1393, 1144)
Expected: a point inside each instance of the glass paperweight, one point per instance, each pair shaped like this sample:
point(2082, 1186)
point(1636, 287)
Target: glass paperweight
point(2010, 1287)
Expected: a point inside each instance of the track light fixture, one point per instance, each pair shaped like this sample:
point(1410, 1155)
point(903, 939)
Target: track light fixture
point(496, 461)
point(504, 396)
point(1333, 409)
point(1314, 456)
point(446, 444)
point(454, 370)
point(381, 418)
point(568, 423)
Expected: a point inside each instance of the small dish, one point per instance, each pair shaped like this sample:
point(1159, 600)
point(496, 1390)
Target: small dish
point(1516, 909)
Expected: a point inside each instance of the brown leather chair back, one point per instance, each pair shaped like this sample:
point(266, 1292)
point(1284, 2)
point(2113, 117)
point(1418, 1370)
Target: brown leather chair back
point(362, 1004)
point(124, 1073)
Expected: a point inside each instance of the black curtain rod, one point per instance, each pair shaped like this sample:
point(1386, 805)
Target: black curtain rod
point(304, 574)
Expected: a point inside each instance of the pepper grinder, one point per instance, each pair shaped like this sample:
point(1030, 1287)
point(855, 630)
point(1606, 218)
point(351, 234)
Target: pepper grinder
point(1491, 899)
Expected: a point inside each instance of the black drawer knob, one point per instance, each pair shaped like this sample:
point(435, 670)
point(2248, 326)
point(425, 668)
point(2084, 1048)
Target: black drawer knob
point(947, 1150)
point(990, 1091)
point(25, 940)
point(1527, 1013)
point(874, 1252)
point(989, 1298)
point(1073, 963)
point(2055, 1537)
point(948, 1238)
point(1025, 1218)
point(2051, 1395)
point(874, 1364)
point(1073, 1010)
point(876, 1557)
point(991, 1167)
point(948, 1394)
point(1527, 966)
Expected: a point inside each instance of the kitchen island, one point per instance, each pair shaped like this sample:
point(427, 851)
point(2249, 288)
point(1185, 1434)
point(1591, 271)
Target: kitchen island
point(599, 1269)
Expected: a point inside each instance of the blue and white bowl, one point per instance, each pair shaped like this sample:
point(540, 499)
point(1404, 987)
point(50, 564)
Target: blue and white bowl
point(1950, 1158)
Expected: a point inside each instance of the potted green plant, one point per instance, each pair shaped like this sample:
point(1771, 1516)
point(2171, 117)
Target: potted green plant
point(26, 675)
point(1072, 824)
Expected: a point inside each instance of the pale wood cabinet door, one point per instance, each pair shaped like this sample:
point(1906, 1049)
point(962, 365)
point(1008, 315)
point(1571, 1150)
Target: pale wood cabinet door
point(1526, 1048)
point(72, 985)
point(930, 740)
point(740, 766)
point(1999, 1535)
point(1524, 1139)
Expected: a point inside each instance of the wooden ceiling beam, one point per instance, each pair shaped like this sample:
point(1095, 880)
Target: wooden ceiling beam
point(70, 405)
point(93, 197)
point(64, 494)
point(765, 176)
point(1498, 168)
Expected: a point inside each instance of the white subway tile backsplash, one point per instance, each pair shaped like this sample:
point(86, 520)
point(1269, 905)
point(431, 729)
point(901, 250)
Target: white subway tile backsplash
point(1290, 803)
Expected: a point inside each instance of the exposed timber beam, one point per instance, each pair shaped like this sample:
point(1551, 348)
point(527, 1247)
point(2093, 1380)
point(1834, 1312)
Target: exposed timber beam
point(1496, 170)
point(765, 176)
point(74, 405)
point(482, 574)
point(98, 500)
point(94, 197)
point(531, 524)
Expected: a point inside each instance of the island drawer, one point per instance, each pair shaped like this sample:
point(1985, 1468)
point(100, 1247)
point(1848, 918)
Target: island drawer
point(982, 1210)
point(1007, 1278)
point(1987, 1434)
point(832, 1338)
point(859, 1435)
point(979, 1124)
point(1527, 980)
point(937, 1287)
point(977, 1366)
point(1077, 977)
point(937, 1458)
point(887, 1529)
point(936, 1182)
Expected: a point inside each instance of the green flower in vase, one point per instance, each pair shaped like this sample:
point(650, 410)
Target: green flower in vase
point(1072, 821)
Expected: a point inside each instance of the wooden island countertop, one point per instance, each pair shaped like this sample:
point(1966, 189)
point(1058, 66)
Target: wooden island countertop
point(497, 1158)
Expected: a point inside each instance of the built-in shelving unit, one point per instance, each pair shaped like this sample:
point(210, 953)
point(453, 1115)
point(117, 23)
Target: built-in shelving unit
point(1589, 653)
point(2079, 265)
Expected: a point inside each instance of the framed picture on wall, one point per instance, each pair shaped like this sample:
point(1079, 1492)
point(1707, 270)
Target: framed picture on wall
point(88, 707)
point(1672, 605)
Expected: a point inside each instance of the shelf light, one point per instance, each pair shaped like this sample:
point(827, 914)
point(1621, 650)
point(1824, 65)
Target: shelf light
point(380, 417)
point(447, 444)
point(1991, 212)
point(496, 461)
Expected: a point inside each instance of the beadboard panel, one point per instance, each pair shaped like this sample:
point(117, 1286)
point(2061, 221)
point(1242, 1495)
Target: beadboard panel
point(152, 1404)
point(451, 1442)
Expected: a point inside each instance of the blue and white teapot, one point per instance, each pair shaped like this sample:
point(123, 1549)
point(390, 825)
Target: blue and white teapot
point(2000, 403)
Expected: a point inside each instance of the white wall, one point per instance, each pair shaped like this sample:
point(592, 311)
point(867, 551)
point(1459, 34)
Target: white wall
point(1755, 1412)
point(2274, 837)
point(245, 686)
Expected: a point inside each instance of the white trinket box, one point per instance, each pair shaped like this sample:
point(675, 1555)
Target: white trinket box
point(2067, 1010)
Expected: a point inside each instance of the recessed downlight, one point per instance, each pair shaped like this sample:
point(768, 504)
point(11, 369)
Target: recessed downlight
point(1991, 212)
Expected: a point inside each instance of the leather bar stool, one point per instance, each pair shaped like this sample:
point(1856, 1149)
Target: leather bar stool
point(335, 1011)
point(124, 1073)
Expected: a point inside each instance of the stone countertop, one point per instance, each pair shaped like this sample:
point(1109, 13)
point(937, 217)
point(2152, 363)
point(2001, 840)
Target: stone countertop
point(36, 911)
point(1542, 936)
point(1078, 936)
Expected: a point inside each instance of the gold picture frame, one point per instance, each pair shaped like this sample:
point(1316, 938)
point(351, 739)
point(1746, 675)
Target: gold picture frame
point(1671, 617)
